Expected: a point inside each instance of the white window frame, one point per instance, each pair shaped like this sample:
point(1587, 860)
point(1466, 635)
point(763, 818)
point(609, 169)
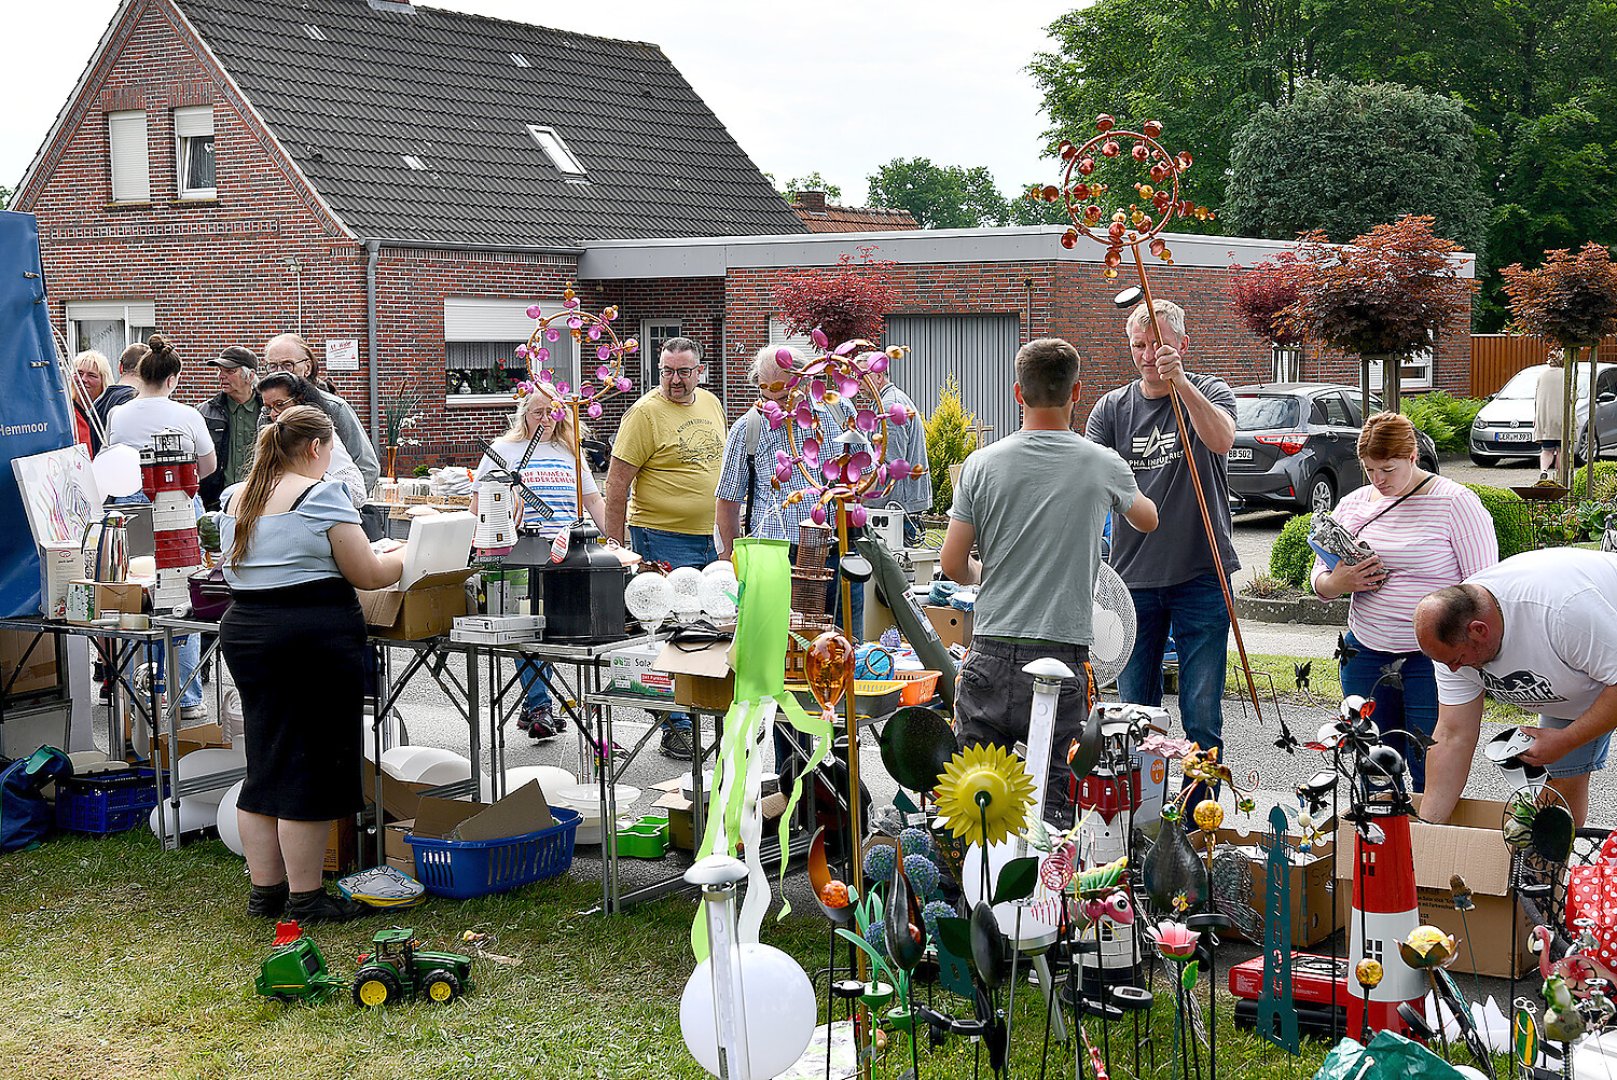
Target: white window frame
point(556, 150)
point(499, 320)
point(129, 156)
point(132, 313)
point(1415, 373)
point(192, 124)
point(653, 332)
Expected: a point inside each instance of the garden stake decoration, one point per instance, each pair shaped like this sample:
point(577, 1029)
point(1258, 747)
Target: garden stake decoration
point(1128, 226)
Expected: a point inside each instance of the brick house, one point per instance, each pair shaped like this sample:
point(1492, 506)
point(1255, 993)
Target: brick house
point(400, 183)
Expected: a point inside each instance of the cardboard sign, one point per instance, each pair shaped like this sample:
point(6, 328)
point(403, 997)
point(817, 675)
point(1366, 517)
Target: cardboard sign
point(342, 354)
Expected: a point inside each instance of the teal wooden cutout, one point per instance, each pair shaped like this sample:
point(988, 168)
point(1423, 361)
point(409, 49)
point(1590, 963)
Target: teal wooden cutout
point(1277, 1012)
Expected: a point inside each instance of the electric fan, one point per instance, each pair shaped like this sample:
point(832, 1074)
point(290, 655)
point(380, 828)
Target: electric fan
point(1114, 626)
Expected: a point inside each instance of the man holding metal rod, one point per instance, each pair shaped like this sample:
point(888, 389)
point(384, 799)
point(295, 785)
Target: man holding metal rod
point(1171, 573)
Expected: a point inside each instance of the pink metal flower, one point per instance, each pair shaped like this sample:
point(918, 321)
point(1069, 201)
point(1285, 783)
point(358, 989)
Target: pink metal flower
point(899, 469)
point(623, 385)
point(804, 415)
point(603, 352)
point(552, 334)
point(858, 515)
point(594, 410)
point(898, 414)
point(521, 352)
point(1168, 748)
point(817, 336)
point(595, 332)
point(535, 311)
point(1176, 941)
point(817, 515)
point(878, 363)
point(603, 372)
point(784, 358)
point(866, 420)
point(573, 303)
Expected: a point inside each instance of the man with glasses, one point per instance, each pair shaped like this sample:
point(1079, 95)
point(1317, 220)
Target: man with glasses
point(290, 354)
point(232, 419)
point(669, 450)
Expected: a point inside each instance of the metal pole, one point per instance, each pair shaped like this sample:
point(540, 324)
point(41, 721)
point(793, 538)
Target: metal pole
point(718, 876)
point(856, 870)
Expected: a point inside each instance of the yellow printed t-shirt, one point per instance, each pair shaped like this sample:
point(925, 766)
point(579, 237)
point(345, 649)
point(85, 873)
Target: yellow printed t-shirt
point(679, 450)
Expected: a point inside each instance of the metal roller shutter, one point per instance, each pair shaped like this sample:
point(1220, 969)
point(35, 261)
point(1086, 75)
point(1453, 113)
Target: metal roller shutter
point(979, 350)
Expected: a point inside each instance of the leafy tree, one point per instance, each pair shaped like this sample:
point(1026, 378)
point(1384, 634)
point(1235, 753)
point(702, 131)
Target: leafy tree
point(1027, 209)
point(846, 301)
point(939, 196)
point(5, 196)
point(1262, 294)
point(1343, 157)
point(950, 436)
point(813, 182)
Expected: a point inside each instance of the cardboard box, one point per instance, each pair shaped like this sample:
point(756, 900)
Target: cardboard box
point(1312, 900)
point(400, 799)
point(395, 850)
point(681, 819)
point(39, 671)
point(342, 847)
point(952, 624)
point(196, 737)
point(702, 677)
point(426, 609)
point(1469, 845)
point(90, 600)
point(504, 592)
point(59, 564)
point(520, 812)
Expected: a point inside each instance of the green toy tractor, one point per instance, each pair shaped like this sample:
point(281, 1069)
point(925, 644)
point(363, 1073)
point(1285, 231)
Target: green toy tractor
point(296, 970)
point(397, 969)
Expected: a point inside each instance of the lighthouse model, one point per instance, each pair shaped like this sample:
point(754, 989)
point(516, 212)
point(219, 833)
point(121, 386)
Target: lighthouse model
point(168, 476)
point(1384, 913)
point(496, 520)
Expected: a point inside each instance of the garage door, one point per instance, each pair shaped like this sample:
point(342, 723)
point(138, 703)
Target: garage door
point(978, 350)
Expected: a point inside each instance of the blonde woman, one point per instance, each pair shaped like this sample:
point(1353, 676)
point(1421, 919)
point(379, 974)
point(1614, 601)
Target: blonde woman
point(92, 374)
point(549, 471)
point(295, 642)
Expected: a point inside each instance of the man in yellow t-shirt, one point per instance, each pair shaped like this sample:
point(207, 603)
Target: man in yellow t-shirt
point(669, 450)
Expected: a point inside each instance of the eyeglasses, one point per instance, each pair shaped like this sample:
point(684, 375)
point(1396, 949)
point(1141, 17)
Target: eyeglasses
point(680, 372)
point(278, 407)
point(291, 365)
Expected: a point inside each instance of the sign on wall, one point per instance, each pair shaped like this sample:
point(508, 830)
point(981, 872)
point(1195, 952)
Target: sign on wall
point(342, 355)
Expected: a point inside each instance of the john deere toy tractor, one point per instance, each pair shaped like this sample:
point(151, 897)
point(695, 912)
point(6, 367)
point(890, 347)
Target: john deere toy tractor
point(396, 969)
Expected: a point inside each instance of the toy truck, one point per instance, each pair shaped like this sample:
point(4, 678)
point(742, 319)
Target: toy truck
point(397, 969)
point(296, 970)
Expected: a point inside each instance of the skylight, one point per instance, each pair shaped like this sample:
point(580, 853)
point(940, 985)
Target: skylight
point(314, 32)
point(520, 61)
point(555, 149)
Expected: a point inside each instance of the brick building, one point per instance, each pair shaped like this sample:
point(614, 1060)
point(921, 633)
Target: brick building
point(400, 183)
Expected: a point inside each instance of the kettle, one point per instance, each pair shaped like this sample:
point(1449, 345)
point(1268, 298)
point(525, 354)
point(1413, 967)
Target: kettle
point(111, 548)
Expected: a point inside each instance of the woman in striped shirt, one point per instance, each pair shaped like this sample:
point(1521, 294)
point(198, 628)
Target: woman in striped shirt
point(1427, 532)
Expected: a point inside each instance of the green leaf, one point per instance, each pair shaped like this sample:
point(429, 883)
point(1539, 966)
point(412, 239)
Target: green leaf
point(1017, 879)
point(876, 960)
point(1038, 835)
point(1187, 977)
point(954, 935)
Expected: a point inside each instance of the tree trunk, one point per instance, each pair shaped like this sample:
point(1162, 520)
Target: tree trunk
point(1569, 416)
point(1392, 367)
point(1364, 387)
point(1593, 451)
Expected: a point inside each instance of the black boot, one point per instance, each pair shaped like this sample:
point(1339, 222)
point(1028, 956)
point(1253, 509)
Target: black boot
point(320, 906)
point(267, 901)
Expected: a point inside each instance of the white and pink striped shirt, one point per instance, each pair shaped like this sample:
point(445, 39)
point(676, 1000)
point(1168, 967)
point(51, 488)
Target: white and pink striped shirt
point(1439, 537)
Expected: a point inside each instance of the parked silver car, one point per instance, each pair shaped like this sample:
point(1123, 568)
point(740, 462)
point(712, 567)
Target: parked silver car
point(1296, 445)
point(1504, 427)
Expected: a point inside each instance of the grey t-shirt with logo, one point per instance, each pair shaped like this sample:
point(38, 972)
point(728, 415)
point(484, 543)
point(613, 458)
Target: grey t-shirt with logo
point(1144, 432)
point(1037, 501)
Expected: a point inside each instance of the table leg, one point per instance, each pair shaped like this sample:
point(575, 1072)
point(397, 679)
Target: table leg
point(170, 711)
point(474, 721)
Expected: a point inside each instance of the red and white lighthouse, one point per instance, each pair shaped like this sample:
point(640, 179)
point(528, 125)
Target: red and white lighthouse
point(1384, 912)
point(168, 476)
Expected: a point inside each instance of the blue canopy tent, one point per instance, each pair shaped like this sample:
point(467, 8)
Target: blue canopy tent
point(34, 413)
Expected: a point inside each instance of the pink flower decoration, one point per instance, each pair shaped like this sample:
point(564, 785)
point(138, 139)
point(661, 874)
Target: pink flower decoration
point(1174, 940)
point(857, 465)
point(832, 469)
point(898, 469)
point(603, 352)
point(782, 460)
point(784, 358)
point(783, 473)
point(857, 516)
point(847, 348)
point(573, 303)
point(811, 450)
point(595, 332)
point(848, 385)
point(542, 355)
point(603, 372)
point(817, 515)
point(563, 389)
point(535, 311)
point(804, 415)
point(878, 363)
point(881, 475)
point(611, 314)
point(817, 336)
point(521, 352)
point(594, 410)
point(898, 414)
point(866, 420)
point(1168, 748)
point(817, 389)
point(552, 334)
point(574, 323)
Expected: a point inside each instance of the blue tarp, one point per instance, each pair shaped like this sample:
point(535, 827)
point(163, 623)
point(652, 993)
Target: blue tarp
point(33, 405)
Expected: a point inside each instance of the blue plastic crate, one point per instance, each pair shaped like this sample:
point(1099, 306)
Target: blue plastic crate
point(104, 803)
point(462, 869)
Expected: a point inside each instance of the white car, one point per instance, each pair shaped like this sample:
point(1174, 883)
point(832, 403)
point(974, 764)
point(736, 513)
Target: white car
point(1504, 427)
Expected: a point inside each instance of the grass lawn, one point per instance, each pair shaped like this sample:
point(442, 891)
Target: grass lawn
point(1325, 685)
point(127, 961)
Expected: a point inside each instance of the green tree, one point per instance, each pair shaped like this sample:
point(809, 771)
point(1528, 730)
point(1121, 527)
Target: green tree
point(939, 196)
point(1021, 210)
point(950, 437)
point(5, 196)
point(812, 182)
point(1345, 157)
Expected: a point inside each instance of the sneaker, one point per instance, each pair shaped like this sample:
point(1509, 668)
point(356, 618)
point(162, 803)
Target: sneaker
point(193, 714)
point(321, 907)
point(540, 724)
point(678, 743)
point(267, 901)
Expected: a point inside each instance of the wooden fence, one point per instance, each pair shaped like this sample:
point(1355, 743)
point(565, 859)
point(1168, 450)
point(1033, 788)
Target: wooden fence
point(1496, 357)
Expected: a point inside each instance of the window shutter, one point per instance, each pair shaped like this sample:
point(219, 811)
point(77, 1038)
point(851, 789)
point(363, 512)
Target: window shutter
point(193, 121)
point(126, 138)
point(482, 319)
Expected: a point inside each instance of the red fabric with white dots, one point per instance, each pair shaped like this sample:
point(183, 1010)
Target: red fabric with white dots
point(1592, 894)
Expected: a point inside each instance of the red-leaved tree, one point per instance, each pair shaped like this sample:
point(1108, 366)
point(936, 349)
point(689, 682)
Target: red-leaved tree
point(1386, 295)
point(1262, 292)
point(846, 301)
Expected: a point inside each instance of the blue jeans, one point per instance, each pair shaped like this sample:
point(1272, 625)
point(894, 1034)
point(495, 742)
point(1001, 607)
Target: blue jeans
point(1412, 709)
point(1194, 612)
point(677, 550)
point(535, 694)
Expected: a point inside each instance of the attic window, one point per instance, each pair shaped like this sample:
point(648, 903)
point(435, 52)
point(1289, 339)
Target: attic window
point(314, 32)
point(415, 163)
point(555, 149)
point(520, 61)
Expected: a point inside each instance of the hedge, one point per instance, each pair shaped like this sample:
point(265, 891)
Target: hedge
point(1605, 482)
point(1291, 558)
point(1510, 521)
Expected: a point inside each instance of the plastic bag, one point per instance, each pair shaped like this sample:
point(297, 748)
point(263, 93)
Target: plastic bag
point(1388, 1057)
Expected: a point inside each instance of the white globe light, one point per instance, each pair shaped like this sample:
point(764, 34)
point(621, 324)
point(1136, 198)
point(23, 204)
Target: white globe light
point(194, 816)
point(780, 1011)
point(229, 827)
point(648, 598)
point(716, 594)
point(686, 584)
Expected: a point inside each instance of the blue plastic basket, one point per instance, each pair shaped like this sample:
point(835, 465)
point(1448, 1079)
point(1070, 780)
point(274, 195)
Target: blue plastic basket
point(104, 803)
point(462, 869)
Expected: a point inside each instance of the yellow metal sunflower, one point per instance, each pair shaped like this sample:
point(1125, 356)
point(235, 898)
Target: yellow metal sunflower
point(985, 793)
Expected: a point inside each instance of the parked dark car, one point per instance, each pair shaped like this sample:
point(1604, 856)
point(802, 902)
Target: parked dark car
point(1296, 445)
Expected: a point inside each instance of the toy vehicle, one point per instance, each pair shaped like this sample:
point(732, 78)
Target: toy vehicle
point(396, 969)
point(296, 970)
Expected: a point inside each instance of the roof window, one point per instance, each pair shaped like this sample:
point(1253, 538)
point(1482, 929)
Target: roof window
point(415, 163)
point(520, 61)
point(555, 149)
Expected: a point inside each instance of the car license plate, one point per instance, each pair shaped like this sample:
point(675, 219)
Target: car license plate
point(1513, 436)
point(1240, 453)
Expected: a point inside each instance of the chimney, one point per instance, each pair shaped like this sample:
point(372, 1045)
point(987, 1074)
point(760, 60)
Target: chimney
point(812, 201)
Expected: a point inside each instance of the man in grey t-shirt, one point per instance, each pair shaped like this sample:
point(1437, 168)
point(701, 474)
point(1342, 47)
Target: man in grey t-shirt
point(1034, 504)
point(1170, 573)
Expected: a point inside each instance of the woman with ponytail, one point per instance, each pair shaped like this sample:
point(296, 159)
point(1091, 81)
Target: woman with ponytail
point(294, 554)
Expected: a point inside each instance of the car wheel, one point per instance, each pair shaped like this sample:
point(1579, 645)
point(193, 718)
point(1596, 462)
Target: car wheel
point(1485, 462)
point(1428, 463)
point(1321, 494)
